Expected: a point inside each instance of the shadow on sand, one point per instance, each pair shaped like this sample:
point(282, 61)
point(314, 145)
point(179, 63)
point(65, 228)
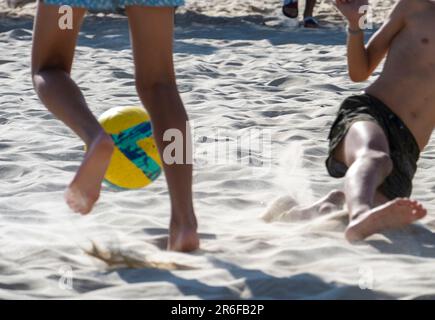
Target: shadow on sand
point(414, 240)
point(249, 283)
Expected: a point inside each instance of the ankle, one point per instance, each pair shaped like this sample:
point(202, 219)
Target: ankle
point(308, 14)
point(187, 220)
point(101, 139)
point(355, 212)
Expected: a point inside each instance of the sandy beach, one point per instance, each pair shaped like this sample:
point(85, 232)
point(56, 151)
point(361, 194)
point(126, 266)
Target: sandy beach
point(241, 66)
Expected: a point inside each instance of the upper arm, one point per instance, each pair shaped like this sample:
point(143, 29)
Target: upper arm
point(379, 44)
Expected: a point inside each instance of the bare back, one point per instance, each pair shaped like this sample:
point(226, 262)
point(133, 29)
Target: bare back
point(407, 82)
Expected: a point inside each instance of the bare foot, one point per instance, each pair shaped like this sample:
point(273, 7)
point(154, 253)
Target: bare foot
point(183, 236)
point(391, 215)
point(331, 202)
point(85, 188)
point(278, 208)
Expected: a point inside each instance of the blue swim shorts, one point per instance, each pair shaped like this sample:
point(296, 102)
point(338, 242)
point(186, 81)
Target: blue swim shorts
point(104, 5)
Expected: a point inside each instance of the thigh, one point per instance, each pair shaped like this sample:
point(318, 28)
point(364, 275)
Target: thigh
point(151, 30)
point(52, 46)
point(363, 136)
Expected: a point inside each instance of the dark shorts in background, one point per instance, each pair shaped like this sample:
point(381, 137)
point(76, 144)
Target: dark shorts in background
point(404, 150)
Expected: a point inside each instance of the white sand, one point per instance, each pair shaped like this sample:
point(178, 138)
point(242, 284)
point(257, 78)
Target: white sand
point(234, 75)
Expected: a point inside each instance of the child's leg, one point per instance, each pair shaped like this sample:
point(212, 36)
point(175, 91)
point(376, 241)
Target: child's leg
point(52, 56)
point(152, 38)
point(366, 152)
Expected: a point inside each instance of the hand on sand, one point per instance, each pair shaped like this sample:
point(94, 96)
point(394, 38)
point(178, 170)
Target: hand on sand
point(85, 188)
point(351, 9)
point(394, 214)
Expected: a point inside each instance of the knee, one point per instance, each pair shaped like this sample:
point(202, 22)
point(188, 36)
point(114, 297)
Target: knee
point(379, 159)
point(41, 77)
point(38, 81)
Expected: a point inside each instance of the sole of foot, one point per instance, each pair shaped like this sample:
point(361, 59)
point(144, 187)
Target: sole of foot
point(84, 190)
point(394, 214)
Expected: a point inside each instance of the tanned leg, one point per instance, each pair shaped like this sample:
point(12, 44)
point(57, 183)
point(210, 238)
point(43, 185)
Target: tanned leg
point(365, 151)
point(52, 56)
point(152, 39)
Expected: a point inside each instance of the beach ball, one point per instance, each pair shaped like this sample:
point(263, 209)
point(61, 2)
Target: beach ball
point(135, 161)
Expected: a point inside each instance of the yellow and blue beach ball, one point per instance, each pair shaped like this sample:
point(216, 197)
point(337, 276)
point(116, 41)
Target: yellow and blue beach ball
point(135, 161)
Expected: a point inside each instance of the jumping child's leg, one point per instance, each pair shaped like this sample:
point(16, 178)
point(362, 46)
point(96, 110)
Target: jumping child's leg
point(366, 152)
point(52, 56)
point(152, 39)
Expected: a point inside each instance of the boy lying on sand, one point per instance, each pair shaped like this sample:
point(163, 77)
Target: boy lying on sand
point(377, 137)
point(151, 30)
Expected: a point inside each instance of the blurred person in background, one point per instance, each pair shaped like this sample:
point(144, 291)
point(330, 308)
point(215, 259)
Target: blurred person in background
point(290, 9)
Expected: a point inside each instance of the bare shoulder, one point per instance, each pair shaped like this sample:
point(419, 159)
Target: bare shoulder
point(412, 6)
point(416, 10)
point(406, 8)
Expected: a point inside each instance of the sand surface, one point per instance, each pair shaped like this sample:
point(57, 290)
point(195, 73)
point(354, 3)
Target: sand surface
point(241, 66)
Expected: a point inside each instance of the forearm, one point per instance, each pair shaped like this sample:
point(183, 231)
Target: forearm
point(357, 57)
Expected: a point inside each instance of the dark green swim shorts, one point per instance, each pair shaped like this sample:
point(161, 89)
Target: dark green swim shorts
point(404, 150)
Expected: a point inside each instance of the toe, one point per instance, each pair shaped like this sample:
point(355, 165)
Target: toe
point(413, 203)
point(421, 212)
point(404, 202)
point(401, 201)
point(419, 207)
point(417, 213)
